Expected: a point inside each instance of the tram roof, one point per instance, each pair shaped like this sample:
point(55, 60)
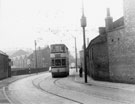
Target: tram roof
point(58, 44)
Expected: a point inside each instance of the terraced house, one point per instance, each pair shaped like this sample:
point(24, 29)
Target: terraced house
point(111, 55)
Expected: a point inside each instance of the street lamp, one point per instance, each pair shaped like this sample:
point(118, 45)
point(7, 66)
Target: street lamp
point(75, 53)
point(83, 25)
point(36, 56)
point(43, 60)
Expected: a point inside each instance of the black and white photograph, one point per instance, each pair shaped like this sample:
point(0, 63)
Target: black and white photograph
point(67, 51)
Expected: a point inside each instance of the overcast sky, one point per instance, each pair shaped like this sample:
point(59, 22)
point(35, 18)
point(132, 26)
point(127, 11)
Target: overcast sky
point(51, 21)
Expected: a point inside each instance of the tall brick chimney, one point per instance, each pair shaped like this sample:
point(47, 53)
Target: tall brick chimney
point(108, 21)
point(129, 15)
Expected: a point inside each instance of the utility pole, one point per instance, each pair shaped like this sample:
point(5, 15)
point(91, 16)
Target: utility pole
point(76, 54)
point(83, 25)
point(36, 56)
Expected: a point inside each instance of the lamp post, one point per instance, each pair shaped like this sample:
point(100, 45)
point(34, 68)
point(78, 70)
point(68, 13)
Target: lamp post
point(36, 56)
point(83, 25)
point(75, 54)
point(43, 62)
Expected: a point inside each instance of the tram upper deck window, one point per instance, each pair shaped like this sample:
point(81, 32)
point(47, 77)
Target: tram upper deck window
point(57, 48)
point(62, 49)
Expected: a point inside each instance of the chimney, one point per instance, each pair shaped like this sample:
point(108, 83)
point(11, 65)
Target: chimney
point(129, 15)
point(87, 41)
point(102, 30)
point(108, 21)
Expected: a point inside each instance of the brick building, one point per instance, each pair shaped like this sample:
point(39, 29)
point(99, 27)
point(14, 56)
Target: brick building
point(111, 55)
point(43, 58)
point(121, 47)
point(97, 56)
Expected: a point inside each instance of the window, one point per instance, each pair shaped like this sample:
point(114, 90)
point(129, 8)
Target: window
point(63, 62)
point(58, 62)
point(53, 62)
point(62, 49)
point(58, 48)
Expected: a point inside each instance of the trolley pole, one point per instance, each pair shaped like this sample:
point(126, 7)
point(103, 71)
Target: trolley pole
point(83, 25)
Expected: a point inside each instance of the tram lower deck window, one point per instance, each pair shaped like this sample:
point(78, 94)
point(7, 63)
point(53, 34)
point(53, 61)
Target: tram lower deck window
point(58, 62)
point(53, 62)
point(63, 62)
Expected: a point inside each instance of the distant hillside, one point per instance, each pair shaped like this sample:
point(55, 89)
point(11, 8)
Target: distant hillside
point(19, 53)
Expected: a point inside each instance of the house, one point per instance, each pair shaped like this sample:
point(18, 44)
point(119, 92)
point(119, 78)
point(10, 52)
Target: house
point(111, 55)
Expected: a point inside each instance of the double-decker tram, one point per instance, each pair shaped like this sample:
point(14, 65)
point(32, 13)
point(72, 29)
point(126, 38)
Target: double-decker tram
point(59, 60)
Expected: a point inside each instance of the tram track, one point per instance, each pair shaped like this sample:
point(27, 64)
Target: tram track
point(6, 91)
point(38, 82)
point(95, 94)
point(52, 93)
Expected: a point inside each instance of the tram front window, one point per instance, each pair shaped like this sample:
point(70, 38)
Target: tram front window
point(63, 62)
point(58, 62)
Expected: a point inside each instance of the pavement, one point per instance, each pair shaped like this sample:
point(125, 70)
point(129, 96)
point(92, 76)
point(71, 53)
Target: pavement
point(90, 81)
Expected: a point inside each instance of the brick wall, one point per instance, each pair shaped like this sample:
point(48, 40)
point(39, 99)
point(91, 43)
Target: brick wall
point(121, 45)
point(100, 61)
point(97, 61)
point(129, 15)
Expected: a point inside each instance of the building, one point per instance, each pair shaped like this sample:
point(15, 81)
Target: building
point(121, 46)
point(111, 55)
point(97, 56)
point(5, 66)
point(43, 58)
point(20, 59)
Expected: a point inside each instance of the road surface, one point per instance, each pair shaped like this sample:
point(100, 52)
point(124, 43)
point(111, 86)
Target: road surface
point(43, 89)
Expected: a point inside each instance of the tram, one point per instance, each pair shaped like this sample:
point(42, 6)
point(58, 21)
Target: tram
point(59, 60)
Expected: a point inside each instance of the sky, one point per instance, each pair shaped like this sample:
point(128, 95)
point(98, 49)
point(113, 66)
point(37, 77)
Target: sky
point(51, 21)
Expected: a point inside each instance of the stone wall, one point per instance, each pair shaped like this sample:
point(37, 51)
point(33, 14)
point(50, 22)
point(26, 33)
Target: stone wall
point(23, 71)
